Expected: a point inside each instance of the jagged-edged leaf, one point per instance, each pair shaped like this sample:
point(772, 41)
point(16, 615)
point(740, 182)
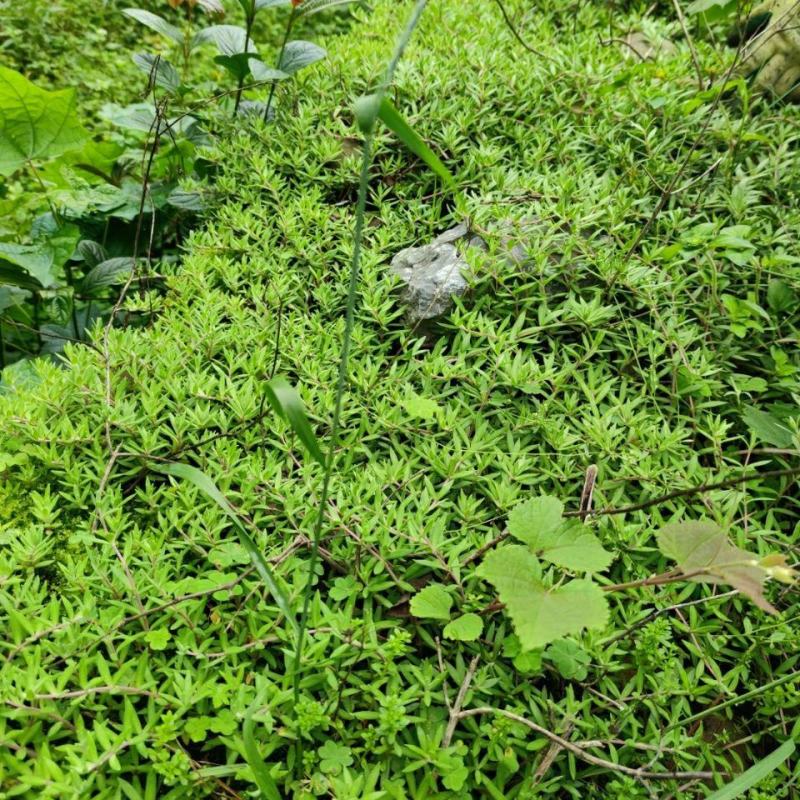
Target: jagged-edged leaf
point(705, 555)
point(299, 54)
point(766, 427)
point(155, 23)
point(35, 123)
point(209, 488)
point(42, 259)
point(287, 404)
point(541, 615)
point(753, 776)
point(572, 546)
point(432, 602)
point(105, 274)
point(466, 628)
point(229, 39)
point(261, 72)
point(368, 109)
point(532, 521)
point(164, 75)
point(314, 6)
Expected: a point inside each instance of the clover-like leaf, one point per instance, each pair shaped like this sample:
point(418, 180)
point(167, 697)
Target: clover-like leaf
point(705, 555)
point(334, 757)
point(432, 602)
point(35, 123)
point(541, 615)
point(466, 628)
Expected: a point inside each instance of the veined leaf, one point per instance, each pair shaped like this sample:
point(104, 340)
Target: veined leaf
point(466, 628)
point(767, 428)
point(35, 123)
point(432, 602)
point(753, 776)
point(299, 54)
point(704, 554)
point(229, 39)
point(367, 110)
point(532, 521)
point(45, 256)
point(164, 74)
point(541, 615)
point(209, 488)
point(310, 7)
point(261, 72)
point(105, 274)
point(155, 23)
point(287, 404)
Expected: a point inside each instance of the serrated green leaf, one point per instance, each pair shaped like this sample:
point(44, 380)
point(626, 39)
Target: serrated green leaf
point(704, 554)
point(534, 520)
point(574, 547)
point(466, 628)
point(432, 602)
point(209, 488)
point(35, 123)
point(541, 615)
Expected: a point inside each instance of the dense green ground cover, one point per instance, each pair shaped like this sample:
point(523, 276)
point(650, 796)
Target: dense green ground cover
point(137, 636)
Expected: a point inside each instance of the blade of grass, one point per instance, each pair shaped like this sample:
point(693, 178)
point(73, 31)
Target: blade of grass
point(348, 330)
point(287, 404)
point(391, 117)
point(267, 786)
point(754, 775)
point(209, 488)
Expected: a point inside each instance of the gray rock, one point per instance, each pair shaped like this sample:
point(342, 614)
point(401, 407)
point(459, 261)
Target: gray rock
point(433, 274)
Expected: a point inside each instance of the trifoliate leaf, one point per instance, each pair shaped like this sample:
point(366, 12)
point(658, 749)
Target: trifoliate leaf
point(157, 638)
point(704, 554)
point(466, 628)
point(541, 615)
point(432, 602)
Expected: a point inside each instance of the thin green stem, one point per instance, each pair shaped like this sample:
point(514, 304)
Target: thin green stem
point(247, 31)
point(286, 35)
point(346, 341)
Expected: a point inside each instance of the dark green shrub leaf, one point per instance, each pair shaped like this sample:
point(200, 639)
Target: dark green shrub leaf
point(155, 23)
point(229, 39)
point(107, 273)
point(35, 123)
point(261, 72)
point(541, 615)
point(767, 428)
point(287, 404)
point(299, 54)
point(165, 76)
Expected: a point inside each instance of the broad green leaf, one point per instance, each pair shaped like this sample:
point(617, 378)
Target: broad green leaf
point(261, 72)
point(261, 775)
point(299, 54)
point(432, 602)
point(287, 404)
point(164, 75)
point(569, 658)
point(107, 273)
point(367, 109)
point(209, 488)
point(704, 554)
point(541, 615)
point(534, 521)
point(229, 39)
point(753, 776)
point(780, 296)
point(155, 23)
point(238, 64)
point(767, 428)
point(420, 407)
point(574, 547)
point(11, 296)
point(466, 628)
point(35, 123)
point(310, 7)
point(45, 256)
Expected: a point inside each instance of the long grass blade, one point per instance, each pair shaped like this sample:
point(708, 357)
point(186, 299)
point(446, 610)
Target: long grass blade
point(287, 404)
point(756, 773)
point(210, 489)
point(264, 781)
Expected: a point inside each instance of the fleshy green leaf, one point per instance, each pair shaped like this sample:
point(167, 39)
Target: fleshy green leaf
point(432, 602)
point(766, 427)
point(704, 554)
point(534, 521)
point(541, 615)
point(209, 488)
point(287, 404)
point(299, 54)
point(753, 776)
point(35, 123)
point(466, 628)
point(155, 23)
